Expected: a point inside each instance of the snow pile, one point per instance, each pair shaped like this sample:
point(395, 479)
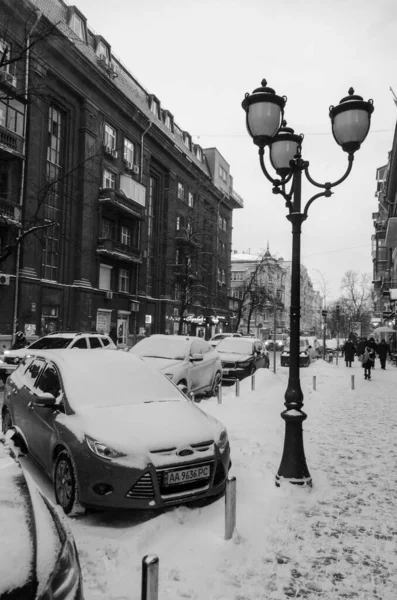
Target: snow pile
point(335, 540)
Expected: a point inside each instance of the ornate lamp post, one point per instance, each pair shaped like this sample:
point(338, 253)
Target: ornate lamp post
point(264, 118)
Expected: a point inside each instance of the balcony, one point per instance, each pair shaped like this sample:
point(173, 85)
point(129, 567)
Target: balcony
point(117, 199)
point(119, 251)
point(387, 285)
point(10, 212)
point(10, 142)
point(234, 200)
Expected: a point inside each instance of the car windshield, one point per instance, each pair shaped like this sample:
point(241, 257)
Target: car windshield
point(174, 348)
point(237, 345)
point(48, 343)
point(302, 345)
point(106, 381)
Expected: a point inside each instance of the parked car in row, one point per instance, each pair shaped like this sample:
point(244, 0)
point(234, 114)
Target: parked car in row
point(68, 339)
point(189, 361)
point(305, 353)
point(277, 340)
point(242, 357)
point(111, 431)
point(38, 555)
point(218, 337)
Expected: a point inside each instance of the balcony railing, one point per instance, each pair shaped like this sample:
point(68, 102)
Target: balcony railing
point(118, 199)
point(387, 285)
point(10, 141)
point(116, 249)
point(9, 211)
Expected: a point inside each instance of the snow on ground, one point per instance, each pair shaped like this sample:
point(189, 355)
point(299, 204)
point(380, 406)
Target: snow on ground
point(335, 540)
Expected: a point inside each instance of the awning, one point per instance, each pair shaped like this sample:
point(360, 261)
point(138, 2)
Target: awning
point(391, 233)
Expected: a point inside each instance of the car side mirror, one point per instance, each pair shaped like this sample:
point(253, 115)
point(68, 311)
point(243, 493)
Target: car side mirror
point(45, 400)
point(196, 357)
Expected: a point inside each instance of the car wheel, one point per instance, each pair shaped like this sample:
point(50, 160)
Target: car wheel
point(216, 384)
point(65, 485)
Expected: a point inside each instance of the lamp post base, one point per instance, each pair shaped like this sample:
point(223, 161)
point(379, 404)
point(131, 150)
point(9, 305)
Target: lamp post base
point(293, 468)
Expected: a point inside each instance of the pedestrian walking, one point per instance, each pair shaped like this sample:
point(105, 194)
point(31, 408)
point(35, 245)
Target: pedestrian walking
point(383, 351)
point(348, 352)
point(372, 344)
point(20, 341)
point(368, 359)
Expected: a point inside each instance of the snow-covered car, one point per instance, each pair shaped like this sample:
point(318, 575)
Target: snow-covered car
point(304, 354)
point(112, 432)
point(38, 555)
point(68, 339)
point(189, 361)
point(242, 357)
point(218, 337)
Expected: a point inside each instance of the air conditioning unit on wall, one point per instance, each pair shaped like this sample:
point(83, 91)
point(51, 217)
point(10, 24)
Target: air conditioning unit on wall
point(135, 169)
point(4, 279)
point(109, 295)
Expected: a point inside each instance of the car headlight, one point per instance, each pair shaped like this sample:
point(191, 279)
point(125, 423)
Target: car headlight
point(102, 450)
point(304, 353)
point(223, 440)
point(243, 364)
point(66, 576)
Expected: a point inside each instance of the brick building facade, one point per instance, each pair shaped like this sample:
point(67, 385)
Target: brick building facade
point(133, 221)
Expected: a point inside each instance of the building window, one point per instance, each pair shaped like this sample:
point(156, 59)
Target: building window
point(78, 26)
point(126, 236)
point(222, 223)
point(109, 179)
point(12, 115)
point(237, 275)
point(187, 140)
point(199, 154)
point(168, 121)
point(124, 281)
point(178, 223)
point(5, 56)
point(155, 106)
point(177, 256)
point(52, 204)
point(223, 276)
point(128, 153)
point(110, 138)
point(181, 191)
point(220, 275)
point(103, 51)
point(222, 173)
point(105, 272)
point(107, 229)
point(190, 199)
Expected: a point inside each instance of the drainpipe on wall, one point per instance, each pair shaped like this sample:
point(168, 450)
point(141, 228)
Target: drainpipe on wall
point(26, 92)
point(142, 136)
point(217, 246)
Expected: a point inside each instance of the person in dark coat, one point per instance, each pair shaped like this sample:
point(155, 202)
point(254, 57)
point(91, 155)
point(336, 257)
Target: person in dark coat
point(372, 344)
point(360, 346)
point(383, 351)
point(349, 351)
point(368, 361)
point(20, 341)
point(113, 334)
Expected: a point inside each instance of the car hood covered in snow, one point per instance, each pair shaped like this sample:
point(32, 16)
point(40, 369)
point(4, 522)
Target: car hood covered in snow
point(161, 364)
point(234, 357)
point(138, 429)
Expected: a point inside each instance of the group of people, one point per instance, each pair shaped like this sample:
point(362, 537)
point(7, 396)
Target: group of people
point(366, 351)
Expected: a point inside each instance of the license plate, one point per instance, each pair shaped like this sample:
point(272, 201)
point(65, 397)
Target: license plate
point(185, 475)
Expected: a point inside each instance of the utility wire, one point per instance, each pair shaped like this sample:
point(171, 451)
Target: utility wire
point(333, 251)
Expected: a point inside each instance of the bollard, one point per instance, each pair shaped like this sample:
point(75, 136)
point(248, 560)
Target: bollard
point(150, 577)
point(237, 387)
point(230, 507)
point(252, 383)
point(352, 382)
point(314, 382)
point(219, 395)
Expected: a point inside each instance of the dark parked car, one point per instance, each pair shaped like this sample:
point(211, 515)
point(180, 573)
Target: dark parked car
point(38, 555)
point(112, 432)
point(242, 357)
point(304, 354)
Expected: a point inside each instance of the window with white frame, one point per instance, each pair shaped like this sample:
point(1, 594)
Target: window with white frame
point(103, 51)
point(190, 199)
point(187, 141)
point(128, 152)
point(124, 281)
point(222, 223)
point(223, 173)
point(155, 106)
point(237, 275)
point(181, 191)
point(168, 121)
point(110, 137)
point(105, 272)
point(78, 26)
point(198, 153)
point(109, 179)
point(126, 236)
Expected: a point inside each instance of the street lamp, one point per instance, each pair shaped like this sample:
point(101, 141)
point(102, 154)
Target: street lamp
point(265, 123)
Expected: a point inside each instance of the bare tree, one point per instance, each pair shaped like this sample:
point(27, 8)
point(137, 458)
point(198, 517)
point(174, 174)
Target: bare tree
point(356, 299)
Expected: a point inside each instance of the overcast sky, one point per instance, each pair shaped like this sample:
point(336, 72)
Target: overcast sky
point(200, 57)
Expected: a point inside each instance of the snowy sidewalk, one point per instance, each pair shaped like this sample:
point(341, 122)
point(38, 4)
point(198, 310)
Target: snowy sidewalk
point(336, 540)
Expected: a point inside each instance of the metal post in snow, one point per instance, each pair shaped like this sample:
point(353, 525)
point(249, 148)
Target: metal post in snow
point(150, 577)
point(352, 382)
point(314, 382)
point(230, 507)
point(237, 387)
point(252, 383)
point(219, 394)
